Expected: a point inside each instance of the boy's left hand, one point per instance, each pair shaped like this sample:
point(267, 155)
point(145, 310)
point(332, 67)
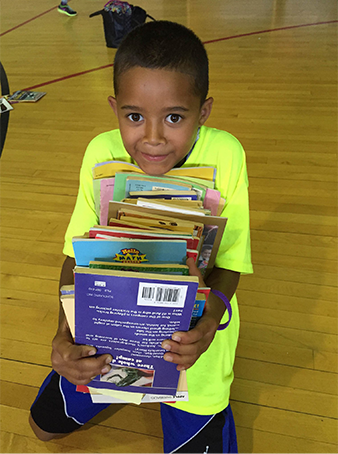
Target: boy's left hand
point(185, 347)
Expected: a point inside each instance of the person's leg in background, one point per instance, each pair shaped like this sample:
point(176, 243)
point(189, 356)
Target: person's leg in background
point(63, 8)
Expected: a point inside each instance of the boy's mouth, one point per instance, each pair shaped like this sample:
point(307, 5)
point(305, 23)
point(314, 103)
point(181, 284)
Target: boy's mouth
point(154, 158)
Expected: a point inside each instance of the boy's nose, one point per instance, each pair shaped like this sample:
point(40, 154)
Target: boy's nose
point(153, 133)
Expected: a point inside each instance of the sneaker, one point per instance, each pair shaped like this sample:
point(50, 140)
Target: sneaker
point(65, 9)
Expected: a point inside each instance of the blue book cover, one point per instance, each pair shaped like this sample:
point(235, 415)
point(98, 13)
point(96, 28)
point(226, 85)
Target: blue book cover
point(128, 315)
point(127, 250)
point(123, 185)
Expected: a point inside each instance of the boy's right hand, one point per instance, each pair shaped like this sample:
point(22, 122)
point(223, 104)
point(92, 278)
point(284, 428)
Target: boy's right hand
point(77, 363)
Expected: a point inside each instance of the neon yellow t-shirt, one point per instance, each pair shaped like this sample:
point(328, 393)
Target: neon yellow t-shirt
point(210, 378)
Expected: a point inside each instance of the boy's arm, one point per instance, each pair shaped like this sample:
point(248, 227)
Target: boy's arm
point(186, 347)
point(77, 363)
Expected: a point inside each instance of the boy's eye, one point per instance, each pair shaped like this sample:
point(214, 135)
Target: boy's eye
point(174, 118)
point(135, 117)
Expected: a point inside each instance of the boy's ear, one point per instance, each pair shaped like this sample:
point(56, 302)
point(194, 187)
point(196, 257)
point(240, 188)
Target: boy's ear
point(112, 103)
point(205, 110)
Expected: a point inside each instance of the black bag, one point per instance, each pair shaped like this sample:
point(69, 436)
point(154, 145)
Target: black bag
point(119, 18)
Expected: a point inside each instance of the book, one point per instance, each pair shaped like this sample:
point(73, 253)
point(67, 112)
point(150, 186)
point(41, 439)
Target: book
point(112, 396)
point(128, 250)
point(5, 106)
point(193, 242)
point(158, 221)
point(143, 182)
point(163, 194)
point(147, 183)
point(26, 96)
point(212, 200)
point(110, 168)
point(128, 315)
point(108, 395)
point(200, 302)
point(106, 194)
point(165, 268)
point(171, 207)
point(179, 203)
point(121, 189)
point(212, 228)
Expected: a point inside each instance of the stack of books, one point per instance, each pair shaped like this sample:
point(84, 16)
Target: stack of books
point(132, 285)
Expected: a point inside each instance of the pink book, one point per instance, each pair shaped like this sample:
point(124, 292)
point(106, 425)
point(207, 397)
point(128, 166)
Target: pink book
point(211, 200)
point(106, 194)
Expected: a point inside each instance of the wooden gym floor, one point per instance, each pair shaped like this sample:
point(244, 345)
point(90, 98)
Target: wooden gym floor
point(273, 71)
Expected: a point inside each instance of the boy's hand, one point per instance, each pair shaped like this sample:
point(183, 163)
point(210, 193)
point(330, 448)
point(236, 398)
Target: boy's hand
point(76, 362)
point(185, 347)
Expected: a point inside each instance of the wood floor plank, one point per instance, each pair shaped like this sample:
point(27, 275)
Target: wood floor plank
point(299, 425)
point(314, 245)
point(301, 276)
point(48, 286)
point(23, 373)
point(42, 271)
point(289, 337)
point(17, 395)
point(307, 322)
point(38, 202)
point(267, 442)
point(295, 304)
point(14, 443)
point(291, 262)
point(285, 398)
point(21, 324)
point(291, 172)
point(288, 376)
point(278, 354)
point(326, 361)
point(99, 438)
point(24, 351)
point(27, 299)
point(288, 288)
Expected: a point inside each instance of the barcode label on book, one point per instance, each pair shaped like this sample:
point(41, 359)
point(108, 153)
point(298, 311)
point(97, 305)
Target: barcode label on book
point(161, 295)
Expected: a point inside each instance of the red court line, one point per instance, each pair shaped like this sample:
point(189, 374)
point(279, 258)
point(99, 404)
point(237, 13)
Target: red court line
point(205, 42)
point(68, 77)
point(270, 31)
point(27, 21)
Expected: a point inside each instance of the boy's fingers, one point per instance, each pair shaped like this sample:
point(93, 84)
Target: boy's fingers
point(73, 352)
point(87, 350)
point(183, 361)
point(194, 271)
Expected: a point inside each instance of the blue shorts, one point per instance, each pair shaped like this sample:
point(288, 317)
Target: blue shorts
point(182, 432)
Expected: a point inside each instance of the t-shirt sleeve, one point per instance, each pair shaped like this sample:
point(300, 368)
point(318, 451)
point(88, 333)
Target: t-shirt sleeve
point(235, 251)
point(84, 215)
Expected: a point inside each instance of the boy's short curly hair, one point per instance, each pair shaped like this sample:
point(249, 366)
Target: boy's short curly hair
point(164, 45)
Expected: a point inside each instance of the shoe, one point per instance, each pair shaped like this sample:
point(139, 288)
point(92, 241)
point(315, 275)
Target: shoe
point(65, 9)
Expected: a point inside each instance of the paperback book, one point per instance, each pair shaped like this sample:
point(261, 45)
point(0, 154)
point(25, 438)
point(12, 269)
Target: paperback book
point(210, 228)
point(128, 315)
point(26, 96)
point(127, 250)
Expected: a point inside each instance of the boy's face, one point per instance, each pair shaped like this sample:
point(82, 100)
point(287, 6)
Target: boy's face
point(206, 254)
point(159, 115)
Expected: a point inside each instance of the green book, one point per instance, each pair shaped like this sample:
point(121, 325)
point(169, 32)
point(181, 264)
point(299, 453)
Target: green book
point(182, 270)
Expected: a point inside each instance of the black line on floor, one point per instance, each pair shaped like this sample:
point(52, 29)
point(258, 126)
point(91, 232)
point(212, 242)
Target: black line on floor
point(4, 117)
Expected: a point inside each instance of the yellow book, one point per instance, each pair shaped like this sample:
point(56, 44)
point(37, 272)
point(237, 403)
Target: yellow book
point(109, 169)
point(177, 202)
point(161, 222)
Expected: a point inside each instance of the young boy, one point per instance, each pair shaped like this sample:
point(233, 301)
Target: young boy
point(161, 87)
